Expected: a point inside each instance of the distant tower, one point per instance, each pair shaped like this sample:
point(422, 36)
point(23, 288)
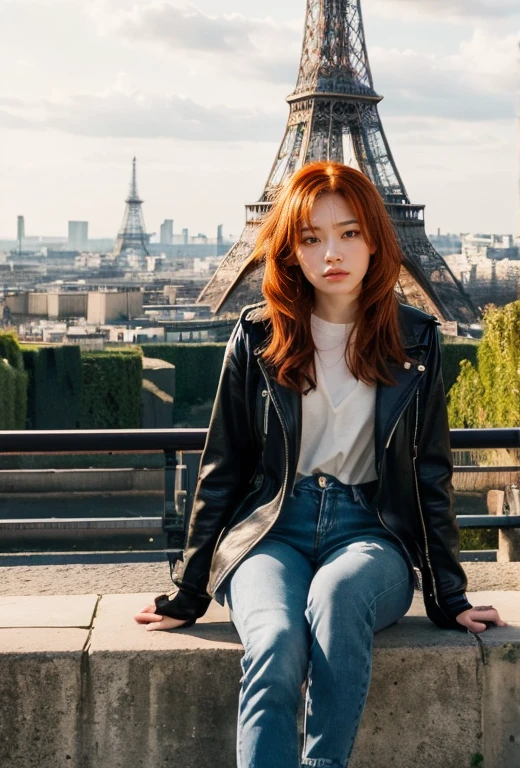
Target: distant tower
point(78, 235)
point(221, 248)
point(334, 116)
point(132, 235)
point(167, 232)
point(20, 232)
point(185, 237)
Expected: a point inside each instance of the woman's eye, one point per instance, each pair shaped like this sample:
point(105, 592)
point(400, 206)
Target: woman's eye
point(351, 233)
point(310, 240)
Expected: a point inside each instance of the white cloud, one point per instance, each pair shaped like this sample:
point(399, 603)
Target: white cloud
point(477, 83)
point(430, 132)
point(452, 11)
point(123, 112)
point(249, 46)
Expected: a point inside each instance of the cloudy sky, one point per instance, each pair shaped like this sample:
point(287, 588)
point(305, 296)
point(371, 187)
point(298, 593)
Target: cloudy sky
point(197, 92)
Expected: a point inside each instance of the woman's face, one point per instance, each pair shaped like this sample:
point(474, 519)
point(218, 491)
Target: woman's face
point(335, 258)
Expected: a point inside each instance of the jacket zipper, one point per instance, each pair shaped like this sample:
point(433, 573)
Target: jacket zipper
point(267, 396)
point(415, 451)
point(270, 397)
point(392, 533)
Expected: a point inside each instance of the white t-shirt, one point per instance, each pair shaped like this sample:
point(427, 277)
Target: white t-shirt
point(338, 416)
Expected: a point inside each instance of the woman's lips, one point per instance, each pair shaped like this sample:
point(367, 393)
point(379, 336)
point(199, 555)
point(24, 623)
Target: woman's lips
point(334, 276)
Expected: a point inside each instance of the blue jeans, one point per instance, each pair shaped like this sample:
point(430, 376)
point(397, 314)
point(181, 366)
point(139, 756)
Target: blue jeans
point(306, 602)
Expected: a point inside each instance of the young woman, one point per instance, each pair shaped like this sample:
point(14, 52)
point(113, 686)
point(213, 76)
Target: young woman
point(325, 482)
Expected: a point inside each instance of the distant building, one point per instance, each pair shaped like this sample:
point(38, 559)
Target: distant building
point(495, 247)
point(167, 232)
point(106, 306)
point(57, 306)
point(101, 245)
point(185, 237)
point(222, 245)
point(20, 230)
point(98, 307)
point(446, 244)
point(78, 235)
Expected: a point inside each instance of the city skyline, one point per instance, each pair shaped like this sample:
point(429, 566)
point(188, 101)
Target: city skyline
point(199, 98)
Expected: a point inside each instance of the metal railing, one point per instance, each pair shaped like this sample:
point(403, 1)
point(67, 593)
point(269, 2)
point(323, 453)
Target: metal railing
point(179, 484)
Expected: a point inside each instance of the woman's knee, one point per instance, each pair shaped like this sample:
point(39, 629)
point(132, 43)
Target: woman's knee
point(279, 654)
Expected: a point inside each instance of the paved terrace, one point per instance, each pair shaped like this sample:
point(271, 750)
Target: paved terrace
point(83, 686)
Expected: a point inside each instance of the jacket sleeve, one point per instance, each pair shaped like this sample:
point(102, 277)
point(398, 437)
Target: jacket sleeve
point(434, 465)
point(227, 464)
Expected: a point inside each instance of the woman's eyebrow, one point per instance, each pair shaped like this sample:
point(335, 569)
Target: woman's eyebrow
point(339, 224)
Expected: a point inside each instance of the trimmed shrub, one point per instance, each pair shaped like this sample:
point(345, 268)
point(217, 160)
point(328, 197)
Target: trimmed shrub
point(10, 350)
point(55, 382)
point(197, 368)
point(13, 384)
point(453, 353)
point(111, 389)
point(466, 399)
point(7, 396)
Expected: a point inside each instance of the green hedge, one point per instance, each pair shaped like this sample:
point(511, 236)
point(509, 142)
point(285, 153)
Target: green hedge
point(55, 386)
point(111, 389)
point(7, 396)
point(197, 368)
point(10, 350)
point(453, 353)
point(13, 384)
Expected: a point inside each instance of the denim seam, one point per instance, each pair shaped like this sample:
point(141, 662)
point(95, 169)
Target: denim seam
point(394, 586)
point(367, 676)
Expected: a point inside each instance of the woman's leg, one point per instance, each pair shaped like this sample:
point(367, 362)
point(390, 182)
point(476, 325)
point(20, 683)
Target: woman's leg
point(358, 590)
point(267, 595)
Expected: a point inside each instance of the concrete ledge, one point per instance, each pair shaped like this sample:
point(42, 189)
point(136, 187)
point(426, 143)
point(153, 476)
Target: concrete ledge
point(114, 695)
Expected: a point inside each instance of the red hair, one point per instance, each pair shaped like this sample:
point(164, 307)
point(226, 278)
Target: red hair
point(290, 296)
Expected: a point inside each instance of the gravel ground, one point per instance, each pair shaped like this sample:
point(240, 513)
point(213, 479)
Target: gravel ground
point(155, 577)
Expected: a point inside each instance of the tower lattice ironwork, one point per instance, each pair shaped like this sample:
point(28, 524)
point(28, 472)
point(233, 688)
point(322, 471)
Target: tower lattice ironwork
point(132, 235)
point(334, 116)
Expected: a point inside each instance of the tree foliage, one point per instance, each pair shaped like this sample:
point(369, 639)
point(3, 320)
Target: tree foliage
point(488, 394)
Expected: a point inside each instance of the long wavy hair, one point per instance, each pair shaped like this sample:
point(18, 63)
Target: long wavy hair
point(375, 339)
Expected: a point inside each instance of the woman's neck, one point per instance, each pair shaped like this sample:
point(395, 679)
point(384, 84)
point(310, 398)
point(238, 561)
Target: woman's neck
point(335, 309)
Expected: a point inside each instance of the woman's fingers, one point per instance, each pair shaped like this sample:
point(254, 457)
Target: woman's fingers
point(166, 622)
point(474, 618)
point(155, 620)
point(144, 617)
point(148, 611)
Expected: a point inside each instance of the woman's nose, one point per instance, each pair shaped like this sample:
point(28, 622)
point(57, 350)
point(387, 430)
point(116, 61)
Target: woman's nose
point(332, 254)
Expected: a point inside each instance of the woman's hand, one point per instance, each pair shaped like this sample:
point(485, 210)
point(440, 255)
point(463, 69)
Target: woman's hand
point(155, 620)
point(474, 618)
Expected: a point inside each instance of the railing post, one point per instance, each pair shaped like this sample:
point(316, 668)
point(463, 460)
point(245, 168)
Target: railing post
point(173, 517)
point(509, 540)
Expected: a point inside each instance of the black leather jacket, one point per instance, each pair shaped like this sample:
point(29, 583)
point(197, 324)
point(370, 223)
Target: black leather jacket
point(249, 465)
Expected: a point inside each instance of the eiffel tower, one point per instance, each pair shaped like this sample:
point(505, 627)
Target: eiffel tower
point(333, 111)
point(132, 234)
